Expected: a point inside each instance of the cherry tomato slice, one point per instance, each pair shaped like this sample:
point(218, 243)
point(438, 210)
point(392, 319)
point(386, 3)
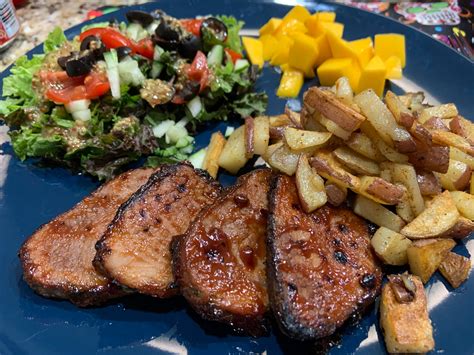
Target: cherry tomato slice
point(199, 70)
point(109, 36)
point(233, 54)
point(192, 25)
point(145, 48)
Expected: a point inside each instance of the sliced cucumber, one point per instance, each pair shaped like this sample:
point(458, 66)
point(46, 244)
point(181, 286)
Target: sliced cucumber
point(175, 133)
point(133, 31)
point(77, 105)
point(161, 129)
point(194, 106)
point(215, 56)
point(241, 65)
point(158, 51)
point(130, 72)
point(197, 159)
point(82, 115)
point(111, 61)
point(152, 27)
point(156, 69)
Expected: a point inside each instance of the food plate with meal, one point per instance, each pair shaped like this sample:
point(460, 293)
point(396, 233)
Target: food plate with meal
point(306, 187)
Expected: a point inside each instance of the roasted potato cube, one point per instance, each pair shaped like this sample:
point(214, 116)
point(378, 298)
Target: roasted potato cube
point(234, 156)
point(441, 111)
point(261, 134)
point(344, 91)
point(431, 158)
point(437, 218)
point(413, 100)
point(327, 166)
point(380, 191)
point(334, 128)
point(298, 139)
point(390, 246)
point(336, 194)
point(214, 150)
point(463, 128)
point(402, 114)
point(333, 109)
point(425, 256)
point(456, 154)
point(376, 213)
point(249, 137)
point(455, 268)
point(284, 160)
point(457, 177)
point(404, 209)
point(310, 186)
point(355, 162)
point(453, 140)
point(406, 326)
point(279, 121)
point(461, 229)
point(270, 150)
point(405, 174)
point(294, 117)
point(362, 144)
point(464, 203)
point(386, 150)
point(428, 183)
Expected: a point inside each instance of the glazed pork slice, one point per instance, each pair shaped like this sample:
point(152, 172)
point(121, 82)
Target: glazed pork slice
point(219, 263)
point(321, 269)
point(57, 258)
point(135, 249)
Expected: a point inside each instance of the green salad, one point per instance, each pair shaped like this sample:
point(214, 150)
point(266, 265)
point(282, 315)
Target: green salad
point(121, 91)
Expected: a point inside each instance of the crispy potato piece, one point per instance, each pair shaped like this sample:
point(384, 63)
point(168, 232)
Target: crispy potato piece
point(451, 139)
point(428, 183)
point(214, 150)
point(425, 256)
point(406, 326)
point(456, 154)
point(310, 120)
point(279, 121)
point(436, 219)
point(327, 166)
point(261, 134)
point(362, 144)
point(457, 177)
point(355, 162)
point(284, 160)
point(233, 157)
point(376, 213)
point(336, 194)
point(277, 133)
point(390, 246)
point(384, 123)
point(270, 150)
point(441, 111)
point(334, 128)
point(422, 134)
point(431, 158)
point(333, 109)
point(460, 230)
point(385, 172)
point(298, 139)
point(405, 174)
point(463, 128)
point(413, 100)
point(471, 190)
point(380, 191)
point(249, 137)
point(388, 152)
point(310, 186)
point(435, 123)
point(455, 268)
point(344, 91)
point(294, 117)
point(464, 203)
point(402, 114)
point(404, 209)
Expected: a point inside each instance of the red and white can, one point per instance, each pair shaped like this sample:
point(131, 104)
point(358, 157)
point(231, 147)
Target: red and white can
point(9, 24)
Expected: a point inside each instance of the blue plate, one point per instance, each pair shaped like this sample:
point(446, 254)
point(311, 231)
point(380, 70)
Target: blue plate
point(30, 196)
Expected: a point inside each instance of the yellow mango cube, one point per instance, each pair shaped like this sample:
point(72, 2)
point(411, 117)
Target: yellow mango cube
point(364, 50)
point(289, 27)
point(394, 68)
point(325, 16)
point(303, 54)
point(317, 28)
point(270, 45)
point(254, 49)
point(389, 44)
point(373, 76)
point(340, 48)
point(282, 52)
point(270, 27)
point(290, 83)
point(299, 13)
point(323, 48)
point(334, 68)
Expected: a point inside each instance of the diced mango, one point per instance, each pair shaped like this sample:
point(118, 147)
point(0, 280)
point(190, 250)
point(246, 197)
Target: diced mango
point(325, 16)
point(373, 76)
point(303, 54)
point(270, 45)
point(340, 48)
point(289, 27)
point(317, 28)
point(389, 44)
point(334, 68)
point(291, 83)
point(281, 54)
point(254, 50)
point(299, 13)
point(394, 68)
point(323, 48)
point(270, 27)
point(363, 49)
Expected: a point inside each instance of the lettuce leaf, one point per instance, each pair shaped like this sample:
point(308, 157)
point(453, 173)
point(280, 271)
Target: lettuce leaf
point(233, 28)
point(54, 40)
